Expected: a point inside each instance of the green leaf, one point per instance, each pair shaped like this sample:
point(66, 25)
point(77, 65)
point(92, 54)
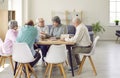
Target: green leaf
point(97, 28)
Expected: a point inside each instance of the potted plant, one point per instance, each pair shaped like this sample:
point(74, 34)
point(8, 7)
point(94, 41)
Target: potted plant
point(97, 28)
point(116, 22)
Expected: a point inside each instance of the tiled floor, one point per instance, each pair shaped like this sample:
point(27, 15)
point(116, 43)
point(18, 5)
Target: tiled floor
point(106, 60)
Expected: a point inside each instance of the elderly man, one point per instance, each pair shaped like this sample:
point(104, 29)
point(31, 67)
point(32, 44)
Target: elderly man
point(43, 30)
point(82, 40)
point(57, 28)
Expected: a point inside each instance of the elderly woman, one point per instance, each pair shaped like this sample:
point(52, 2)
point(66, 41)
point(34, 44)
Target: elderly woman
point(57, 28)
point(28, 34)
point(10, 37)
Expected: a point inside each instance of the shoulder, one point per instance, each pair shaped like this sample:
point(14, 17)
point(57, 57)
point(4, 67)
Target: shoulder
point(45, 26)
point(34, 28)
point(62, 26)
point(10, 31)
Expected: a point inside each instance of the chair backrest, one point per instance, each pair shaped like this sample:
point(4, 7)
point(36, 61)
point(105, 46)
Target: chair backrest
point(22, 53)
point(94, 45)
point(1, 43)
point(56, 54)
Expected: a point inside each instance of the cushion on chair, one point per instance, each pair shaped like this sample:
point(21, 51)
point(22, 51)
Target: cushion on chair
point(71, 29)
point(49, 26)
point(117, 33)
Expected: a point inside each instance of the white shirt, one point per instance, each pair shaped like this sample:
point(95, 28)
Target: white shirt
point(81, 37)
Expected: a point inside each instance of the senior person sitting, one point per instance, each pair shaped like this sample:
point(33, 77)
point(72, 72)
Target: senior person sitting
point(41, 27)
point(28, 34)
point(43, 30)
point(10, 37)
point(82, 40)
point(57, 28)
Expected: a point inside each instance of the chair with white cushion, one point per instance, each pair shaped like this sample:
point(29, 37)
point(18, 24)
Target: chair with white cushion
point(56, 56)
point(89, 56)
point(3, 56)
point(22, 54)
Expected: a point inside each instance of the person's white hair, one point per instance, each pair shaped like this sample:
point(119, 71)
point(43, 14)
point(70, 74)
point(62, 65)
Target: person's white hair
point(76, 19)
point(12, 24)
point(39, 19)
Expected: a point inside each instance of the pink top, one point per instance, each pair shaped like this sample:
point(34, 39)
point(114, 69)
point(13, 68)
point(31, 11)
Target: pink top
point(9, 40)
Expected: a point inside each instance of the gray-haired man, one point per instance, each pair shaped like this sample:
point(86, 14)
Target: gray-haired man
point(82, 40)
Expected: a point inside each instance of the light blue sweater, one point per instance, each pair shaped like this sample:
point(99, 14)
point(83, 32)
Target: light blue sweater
point(28, 35)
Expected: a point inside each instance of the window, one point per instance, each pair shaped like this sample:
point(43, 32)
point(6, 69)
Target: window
point(114, 10)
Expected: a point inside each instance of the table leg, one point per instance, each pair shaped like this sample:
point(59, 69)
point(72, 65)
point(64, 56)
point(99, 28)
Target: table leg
point(15, 68)
point(70, 57)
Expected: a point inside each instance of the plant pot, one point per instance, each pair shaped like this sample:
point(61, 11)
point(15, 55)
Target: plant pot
point(116, 23)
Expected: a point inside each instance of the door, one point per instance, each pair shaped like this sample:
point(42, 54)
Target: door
point(3, 23)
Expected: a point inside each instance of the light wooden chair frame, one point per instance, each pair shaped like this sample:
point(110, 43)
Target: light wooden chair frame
point(82, 63)
point(50, 66)
point(27, 67)
point(3, 60)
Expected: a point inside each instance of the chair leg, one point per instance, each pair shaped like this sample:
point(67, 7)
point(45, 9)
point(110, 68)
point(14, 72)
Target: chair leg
point(19, 67)
point(117, 39)
point(27, 70)
point(50, 71)
point(11, 62)
point(67, 62)
point(63, 71)
point(21, 72)
point(81, 65)
point(92, 65)
point(32, 70)
point(46, 71)
point(1, 61)
point(60, 69)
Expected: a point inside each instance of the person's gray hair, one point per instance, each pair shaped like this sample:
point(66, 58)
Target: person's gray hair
point(56, 19)
point(12, 24)
point(76, 19)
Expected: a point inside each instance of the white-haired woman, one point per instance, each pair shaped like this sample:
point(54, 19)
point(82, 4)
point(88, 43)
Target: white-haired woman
point(10, 37)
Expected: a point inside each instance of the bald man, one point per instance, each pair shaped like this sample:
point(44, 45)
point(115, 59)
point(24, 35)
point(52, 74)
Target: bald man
point(82, 40)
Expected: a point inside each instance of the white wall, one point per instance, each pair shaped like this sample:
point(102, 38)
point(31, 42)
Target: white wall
point(17, 6)
point(3, 18)
point(93, 11)
point(4, 5)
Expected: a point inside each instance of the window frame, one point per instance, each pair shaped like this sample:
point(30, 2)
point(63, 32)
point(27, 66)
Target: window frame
point(117, 13)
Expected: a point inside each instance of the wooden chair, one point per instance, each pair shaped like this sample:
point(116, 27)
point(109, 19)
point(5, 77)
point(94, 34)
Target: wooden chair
point(56, 56)
point(3, 57)
point(85, 55)
point(22, 54)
